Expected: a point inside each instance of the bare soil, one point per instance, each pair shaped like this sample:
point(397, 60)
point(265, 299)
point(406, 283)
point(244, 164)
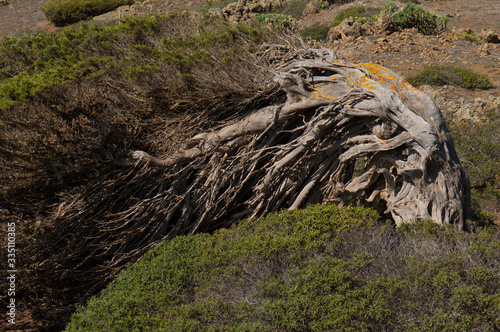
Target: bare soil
point(20, 16)
point(409, 53)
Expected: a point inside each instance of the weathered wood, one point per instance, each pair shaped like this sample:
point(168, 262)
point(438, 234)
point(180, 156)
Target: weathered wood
point(343, 133)
point(355, 112)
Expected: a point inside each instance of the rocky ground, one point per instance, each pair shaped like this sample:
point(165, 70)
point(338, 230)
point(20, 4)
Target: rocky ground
point(406, 52)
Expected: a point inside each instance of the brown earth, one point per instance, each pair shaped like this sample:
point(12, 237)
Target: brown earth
point(405, 53)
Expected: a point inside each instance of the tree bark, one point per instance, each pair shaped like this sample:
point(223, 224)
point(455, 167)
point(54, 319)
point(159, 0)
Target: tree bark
point(345, 133)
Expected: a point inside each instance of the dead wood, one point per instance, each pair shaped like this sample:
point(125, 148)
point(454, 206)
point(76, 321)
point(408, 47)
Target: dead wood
point(343, 133)
point(337, 117)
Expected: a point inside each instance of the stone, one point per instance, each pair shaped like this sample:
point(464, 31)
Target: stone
point(244, 10)
point(489, 36)
point(349, 27)
point(314, 7)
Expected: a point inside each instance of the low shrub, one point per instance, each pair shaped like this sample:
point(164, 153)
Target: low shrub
point(318, 269)
point(64, 12)
point(470, 37)
point(478, 148)
point(294, 8)
point(443, 75)
point(283, 20)
point(413, 16)
point(34, 62)
point(361, 13)
point(317, 31)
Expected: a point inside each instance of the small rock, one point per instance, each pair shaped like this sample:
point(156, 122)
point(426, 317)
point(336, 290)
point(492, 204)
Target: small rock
point(314, 7)
point(483, 50)
point(349, 27)
point(490, 36)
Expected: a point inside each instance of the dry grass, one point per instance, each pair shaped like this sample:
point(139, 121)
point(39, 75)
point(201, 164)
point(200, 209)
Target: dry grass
point(168, 78)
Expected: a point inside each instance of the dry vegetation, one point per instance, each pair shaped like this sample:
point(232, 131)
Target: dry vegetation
point(150, 84)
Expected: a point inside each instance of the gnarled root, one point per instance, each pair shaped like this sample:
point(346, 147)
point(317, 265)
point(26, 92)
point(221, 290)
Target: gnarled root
point(344, 133)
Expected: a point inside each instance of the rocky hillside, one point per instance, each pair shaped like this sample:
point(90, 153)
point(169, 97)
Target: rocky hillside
point(406, 52)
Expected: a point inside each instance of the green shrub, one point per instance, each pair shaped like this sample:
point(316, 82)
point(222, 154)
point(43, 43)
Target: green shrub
point(294, 8)
point(319, 269)
point(478, 148)
point(443, 75)
point(361, 13)
point(35, 62)
point(317, 31)
point(470, 37)
point(277, 19)
point(413, 16)
point(64, 12)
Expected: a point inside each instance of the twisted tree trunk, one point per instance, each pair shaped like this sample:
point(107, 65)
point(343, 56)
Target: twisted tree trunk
point(343, 133)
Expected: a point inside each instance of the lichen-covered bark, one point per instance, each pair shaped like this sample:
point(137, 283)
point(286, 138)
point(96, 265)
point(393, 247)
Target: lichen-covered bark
point(345, 133)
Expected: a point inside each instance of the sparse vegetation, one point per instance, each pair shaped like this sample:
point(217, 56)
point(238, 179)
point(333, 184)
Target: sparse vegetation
point(318, 269)
point(317, 31)
point(413, 16)
point(470, 37)
point(64, 12)
point(277, 19)
point(478, 147)
point(443, 75)
point(294, 8)
point(361, 13)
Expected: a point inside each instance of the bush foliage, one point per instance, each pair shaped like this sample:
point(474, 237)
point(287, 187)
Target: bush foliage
point(317, 31)
point(286, 21)
point(57, 84)
point(361, 13)
point(319, 269)
point(64, 12)
point(478, 148)
point(443, 75)
point(413, 16)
